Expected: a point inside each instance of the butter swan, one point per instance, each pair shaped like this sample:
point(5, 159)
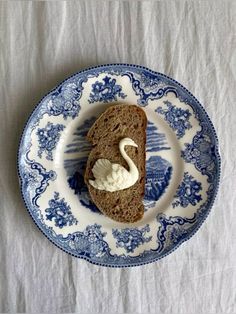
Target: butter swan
point(114, 177)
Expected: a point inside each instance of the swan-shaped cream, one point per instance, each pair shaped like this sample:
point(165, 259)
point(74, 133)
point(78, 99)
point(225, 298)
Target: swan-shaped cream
point(114, 177)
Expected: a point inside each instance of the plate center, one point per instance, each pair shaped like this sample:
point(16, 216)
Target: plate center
point(163, 165)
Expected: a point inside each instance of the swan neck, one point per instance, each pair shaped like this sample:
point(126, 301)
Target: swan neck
point(132, 167)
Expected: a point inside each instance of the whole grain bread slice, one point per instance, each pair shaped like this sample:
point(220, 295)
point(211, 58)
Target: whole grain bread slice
point(116, 123)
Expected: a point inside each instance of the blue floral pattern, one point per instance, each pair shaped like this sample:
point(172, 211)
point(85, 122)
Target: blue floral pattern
point(48, 138)
point(177, 118)
point(106, 91)
point(130, 239)
point(60, 212)
point(64, 101)
point(90, 242)
point(201, 153)
point(188, 192)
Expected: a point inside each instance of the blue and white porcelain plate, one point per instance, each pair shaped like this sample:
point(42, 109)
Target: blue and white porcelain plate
point(182, 166)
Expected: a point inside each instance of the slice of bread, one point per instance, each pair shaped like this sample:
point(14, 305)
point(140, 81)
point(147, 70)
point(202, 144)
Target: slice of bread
point(116, 123)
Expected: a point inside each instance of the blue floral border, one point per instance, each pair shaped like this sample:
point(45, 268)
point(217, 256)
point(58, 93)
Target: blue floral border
point(147, 256)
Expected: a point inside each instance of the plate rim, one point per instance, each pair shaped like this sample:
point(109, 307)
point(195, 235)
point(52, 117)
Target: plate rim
point(217, 152)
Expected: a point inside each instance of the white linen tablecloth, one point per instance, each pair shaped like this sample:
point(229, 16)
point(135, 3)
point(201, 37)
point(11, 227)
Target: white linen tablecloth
point(42, 43)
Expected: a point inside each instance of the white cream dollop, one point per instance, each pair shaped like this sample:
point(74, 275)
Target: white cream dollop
point(114, 177)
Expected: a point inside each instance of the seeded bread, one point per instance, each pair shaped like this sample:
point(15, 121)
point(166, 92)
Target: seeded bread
point(116, 123)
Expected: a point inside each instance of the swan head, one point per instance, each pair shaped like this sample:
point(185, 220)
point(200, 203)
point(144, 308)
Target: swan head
point(127, 142)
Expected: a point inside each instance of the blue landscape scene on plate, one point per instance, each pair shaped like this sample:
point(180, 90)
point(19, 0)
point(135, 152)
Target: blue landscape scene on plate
point(156, 141)
point(75, 167)
point(158, 175)
point(158, 170)
point(79, 143)
point(91, 242)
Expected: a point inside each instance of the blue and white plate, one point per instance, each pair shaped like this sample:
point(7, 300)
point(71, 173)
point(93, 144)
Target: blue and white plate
point(182, 164)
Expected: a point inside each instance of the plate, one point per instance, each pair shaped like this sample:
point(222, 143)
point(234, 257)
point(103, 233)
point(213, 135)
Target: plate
point(182, 166)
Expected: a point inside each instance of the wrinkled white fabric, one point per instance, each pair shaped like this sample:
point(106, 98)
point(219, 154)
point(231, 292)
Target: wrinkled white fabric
point(42, 43)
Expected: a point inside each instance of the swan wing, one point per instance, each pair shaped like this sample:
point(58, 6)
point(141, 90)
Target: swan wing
point(118, 175)
point(102, 168)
